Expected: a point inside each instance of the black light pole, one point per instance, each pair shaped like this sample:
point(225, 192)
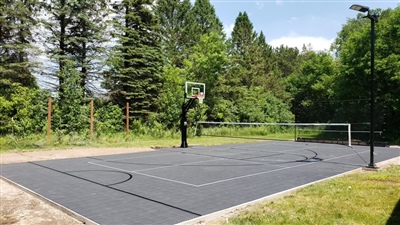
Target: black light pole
point(374, 19)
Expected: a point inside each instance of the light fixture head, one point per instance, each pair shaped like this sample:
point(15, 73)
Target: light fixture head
point(359, 8)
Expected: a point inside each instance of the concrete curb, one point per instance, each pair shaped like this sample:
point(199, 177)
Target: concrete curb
point(226, 213)
point(55, 205)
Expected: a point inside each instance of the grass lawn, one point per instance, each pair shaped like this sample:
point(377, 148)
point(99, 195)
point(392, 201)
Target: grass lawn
point(370, 198)
point(11, 143)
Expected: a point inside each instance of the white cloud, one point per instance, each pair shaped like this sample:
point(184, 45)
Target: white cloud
point(294, 40)
point(260, 5)
point(293, 19)
point(228, 29)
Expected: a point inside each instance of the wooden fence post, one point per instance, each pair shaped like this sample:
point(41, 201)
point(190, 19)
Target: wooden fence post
point(91, 119)
point(127, 118)
point(48, 119)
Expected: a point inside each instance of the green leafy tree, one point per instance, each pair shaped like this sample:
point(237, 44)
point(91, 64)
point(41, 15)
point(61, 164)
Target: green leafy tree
point(70, 115)
point(171, 97)
point(108, 119)
point(137, 61)
point(207, 64)
point(23, 110)
point(312, 88)
point(259, 106)
point(354, 79)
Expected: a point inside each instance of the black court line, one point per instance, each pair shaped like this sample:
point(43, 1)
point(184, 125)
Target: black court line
point(119, 190)
point(110, 171)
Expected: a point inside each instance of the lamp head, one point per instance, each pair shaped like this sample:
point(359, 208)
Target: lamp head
point(359, 8)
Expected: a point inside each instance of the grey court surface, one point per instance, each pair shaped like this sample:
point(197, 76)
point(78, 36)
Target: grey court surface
point(169, 186)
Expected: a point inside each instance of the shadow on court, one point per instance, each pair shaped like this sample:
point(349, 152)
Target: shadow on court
point(394, 219)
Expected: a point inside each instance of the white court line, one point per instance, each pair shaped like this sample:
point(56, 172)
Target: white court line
point(137, 157)
point(270, 171)
point(306, 143)
point(143, 174)
point(267, 151)
point(224, 180)
point(182, 164)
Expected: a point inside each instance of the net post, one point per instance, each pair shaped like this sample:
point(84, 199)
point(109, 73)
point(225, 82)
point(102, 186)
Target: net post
point(349, 133)
point(195, 129)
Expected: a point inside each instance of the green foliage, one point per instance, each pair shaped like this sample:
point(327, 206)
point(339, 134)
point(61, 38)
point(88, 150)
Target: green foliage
point(354, 81)
point(207, 64)
point(109, 119)
point(70, 115)
point(86, 39)
point(76, 31)
point(259, 106)
point(177, 26)
point(206, 20)
point(171, 97)
point(135, 66)
point(244, 50)
point(16, 23)
point(312, 88)
point(22, 110)
point(160, 46)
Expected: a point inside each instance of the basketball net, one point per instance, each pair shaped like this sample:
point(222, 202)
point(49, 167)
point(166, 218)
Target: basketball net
point(200, 97)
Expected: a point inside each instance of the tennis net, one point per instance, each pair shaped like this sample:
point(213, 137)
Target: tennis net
point(338, 133)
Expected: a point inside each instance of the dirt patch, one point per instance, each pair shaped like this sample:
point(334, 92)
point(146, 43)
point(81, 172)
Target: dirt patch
point(19, 207)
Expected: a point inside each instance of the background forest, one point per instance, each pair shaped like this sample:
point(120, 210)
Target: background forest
point(143, 51)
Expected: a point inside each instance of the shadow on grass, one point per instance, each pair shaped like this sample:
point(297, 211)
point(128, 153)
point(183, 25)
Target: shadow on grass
point(394, 219)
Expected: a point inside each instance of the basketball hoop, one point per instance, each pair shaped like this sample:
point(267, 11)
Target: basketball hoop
point(200, 97)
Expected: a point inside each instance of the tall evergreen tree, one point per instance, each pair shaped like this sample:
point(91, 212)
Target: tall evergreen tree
point(87, 39)
point(245, 52)
point(205, 19)
point(243, 35)
point(135, 67)
point(17, 19)
point(176, 21)
point(288, 59)
point(56, 22)
point(75, 32)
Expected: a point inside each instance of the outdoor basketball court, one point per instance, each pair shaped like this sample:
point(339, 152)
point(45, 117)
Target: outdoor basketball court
point(173, 185)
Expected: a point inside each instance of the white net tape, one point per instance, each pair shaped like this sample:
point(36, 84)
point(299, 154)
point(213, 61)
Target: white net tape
point(343, 129)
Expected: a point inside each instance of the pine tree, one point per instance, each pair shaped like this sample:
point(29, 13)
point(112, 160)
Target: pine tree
point(205, 20)
point(87, 39)
point(56, 21)
point(244, 51)
point(135, 67)
point(75, 32)
point(17, 19)
point(176, 21)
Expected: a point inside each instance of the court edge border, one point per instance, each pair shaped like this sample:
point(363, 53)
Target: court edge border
point(63, 209)
point(229, 212)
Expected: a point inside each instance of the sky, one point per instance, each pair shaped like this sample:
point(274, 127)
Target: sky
point(295, 22)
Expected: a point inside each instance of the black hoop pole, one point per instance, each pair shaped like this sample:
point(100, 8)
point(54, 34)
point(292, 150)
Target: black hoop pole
point(185, 108)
